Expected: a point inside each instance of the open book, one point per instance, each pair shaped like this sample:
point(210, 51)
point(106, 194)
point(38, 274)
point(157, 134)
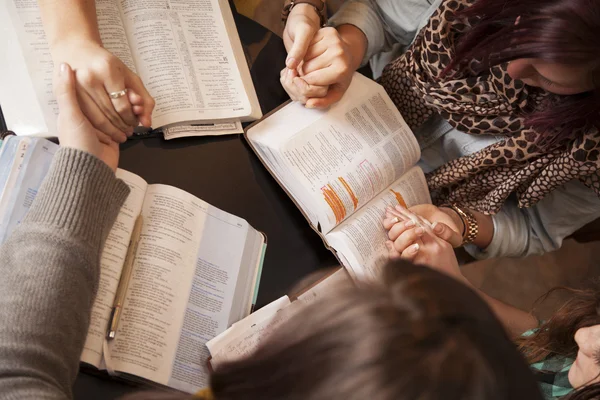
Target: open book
point(187, 53)
point(195, 271)
point(343, 167)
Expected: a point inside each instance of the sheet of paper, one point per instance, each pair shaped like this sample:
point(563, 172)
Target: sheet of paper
point(361, 239)
point(325, 286)
point(217, 129)
point(248, 340)
point(244, 337)
point(217, 343)
point(183, 54)
point(181, 288)
point(111, 264)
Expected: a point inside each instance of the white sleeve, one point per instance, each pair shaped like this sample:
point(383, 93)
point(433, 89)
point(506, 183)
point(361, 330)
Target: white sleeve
point(385, 23)
point(363, 15)
point(520, 232)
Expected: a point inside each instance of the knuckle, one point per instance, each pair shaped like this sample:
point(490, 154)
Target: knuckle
point(85, 77)
point(123, 108)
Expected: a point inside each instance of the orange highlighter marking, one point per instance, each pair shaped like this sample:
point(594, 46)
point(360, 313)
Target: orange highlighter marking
point(335, 203)
point(350, 192)
point(399, 198)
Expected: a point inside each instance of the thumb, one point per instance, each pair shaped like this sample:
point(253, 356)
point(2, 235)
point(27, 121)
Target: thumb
point(64, 90)
point(448, 234)
point(302, 38)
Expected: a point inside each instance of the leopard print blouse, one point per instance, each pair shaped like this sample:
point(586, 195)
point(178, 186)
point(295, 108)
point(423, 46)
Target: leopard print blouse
point(491, 103)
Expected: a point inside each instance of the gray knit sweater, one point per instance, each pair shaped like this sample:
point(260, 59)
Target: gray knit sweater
point(49, 270)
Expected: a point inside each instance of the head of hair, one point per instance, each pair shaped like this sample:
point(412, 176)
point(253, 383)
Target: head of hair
point(414, 334)
point(557, 31)
point(556, 336)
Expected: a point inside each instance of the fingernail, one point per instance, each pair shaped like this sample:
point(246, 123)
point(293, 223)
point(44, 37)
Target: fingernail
point(395, 220)
point(419, 231)
point(310, 105)
point(437, 228)
point(414, 248)
point(290, 62)
point(63, 69)
point(409, 223)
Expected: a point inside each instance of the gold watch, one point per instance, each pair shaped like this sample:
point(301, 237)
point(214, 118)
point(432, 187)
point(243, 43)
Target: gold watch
point(319, 6)
point(470, 223)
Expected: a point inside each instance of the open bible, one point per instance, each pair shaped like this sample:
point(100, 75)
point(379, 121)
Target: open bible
point(343, 167)
point(187, 53)
point(192, 270)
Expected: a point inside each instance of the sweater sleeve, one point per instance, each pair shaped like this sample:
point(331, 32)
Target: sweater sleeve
point(49, 270)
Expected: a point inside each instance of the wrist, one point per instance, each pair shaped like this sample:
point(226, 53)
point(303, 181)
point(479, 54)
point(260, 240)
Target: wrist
point(74, 43)
point(356, 41)
point(308, 11)
point(459, 224)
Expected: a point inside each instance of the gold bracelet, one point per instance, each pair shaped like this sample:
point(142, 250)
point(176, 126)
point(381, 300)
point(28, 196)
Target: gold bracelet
point(469, 221)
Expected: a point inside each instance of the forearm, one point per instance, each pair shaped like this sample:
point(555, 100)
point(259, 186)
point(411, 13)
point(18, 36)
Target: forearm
point(50, 271)
point(356, 41)
point(515, 321)
point(72, 20)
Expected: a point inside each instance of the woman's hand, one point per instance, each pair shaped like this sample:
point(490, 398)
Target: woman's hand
point(98, 73)
point(448, 224)
point(420, 244)
point(74, 129)
point(302, 25)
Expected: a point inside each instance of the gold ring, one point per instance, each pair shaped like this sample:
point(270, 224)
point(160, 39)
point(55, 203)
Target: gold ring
point(116, 95)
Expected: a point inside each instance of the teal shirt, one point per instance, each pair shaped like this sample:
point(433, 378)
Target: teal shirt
point(553, 375)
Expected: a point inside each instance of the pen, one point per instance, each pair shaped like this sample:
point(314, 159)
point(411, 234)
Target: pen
point(117, 308)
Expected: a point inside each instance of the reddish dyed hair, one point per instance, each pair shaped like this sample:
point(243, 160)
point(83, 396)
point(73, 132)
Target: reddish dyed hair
point(559, 31)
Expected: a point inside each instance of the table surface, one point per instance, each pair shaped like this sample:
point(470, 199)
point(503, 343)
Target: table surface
point(225, 172)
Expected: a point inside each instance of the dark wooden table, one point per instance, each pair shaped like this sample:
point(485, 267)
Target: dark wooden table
point(225, 172)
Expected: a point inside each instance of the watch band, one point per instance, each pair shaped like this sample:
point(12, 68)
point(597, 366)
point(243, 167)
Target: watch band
point(471, 227)
point(319, 6)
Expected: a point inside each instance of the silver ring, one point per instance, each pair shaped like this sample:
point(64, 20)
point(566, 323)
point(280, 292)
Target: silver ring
point(116, 95)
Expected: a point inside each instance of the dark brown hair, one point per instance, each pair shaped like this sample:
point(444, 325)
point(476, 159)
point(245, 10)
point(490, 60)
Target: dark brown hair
point(415, 334)
point(558, 31)
point(556, 336)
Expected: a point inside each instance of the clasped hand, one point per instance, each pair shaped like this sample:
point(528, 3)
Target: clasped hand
point(74, 129)
point(97, 73)
point(319, 66)
point(413, 237)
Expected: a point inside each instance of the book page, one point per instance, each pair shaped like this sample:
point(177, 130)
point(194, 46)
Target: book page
point(185, 59)
point(29, 168)
point(340, 158)
point(111, 264)
point(361, 239)
point(24, 15)
point(181, 288)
